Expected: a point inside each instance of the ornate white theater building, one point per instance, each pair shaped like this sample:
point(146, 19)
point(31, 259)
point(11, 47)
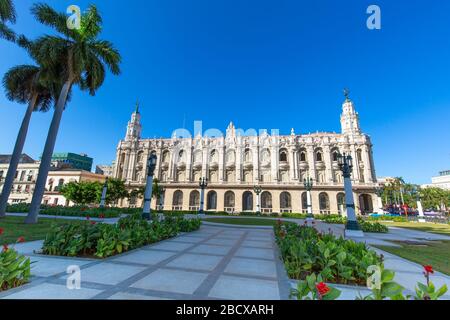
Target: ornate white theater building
point(235, 163)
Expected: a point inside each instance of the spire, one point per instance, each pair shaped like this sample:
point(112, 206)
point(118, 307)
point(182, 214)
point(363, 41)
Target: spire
point(347, 95)
point(349, 116)
point(137, 106)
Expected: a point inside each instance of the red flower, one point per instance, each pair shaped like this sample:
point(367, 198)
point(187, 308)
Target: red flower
point(21, 239)
point(102, 216)
point(322, 288)
point(5, 247)
point(93, 222)
point(428, 269)
point(1, 231)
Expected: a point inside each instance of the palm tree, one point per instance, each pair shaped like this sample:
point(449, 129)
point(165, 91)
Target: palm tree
point(83, 58)
point(7, 14)
point(22, 84)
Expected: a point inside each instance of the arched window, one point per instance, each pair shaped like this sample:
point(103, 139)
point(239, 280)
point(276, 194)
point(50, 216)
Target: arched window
point(340, 198)
point(248, 155)
point(229, 200)
point(319, 156)
point(177, 201)
point(211, 200)
point(283, 156)
point(194, 200)
point(335, 156)
point(303, 156)
point(247, 201)
point(285, 202)
point(305, 202)
point(266, 202)
point(324, 203)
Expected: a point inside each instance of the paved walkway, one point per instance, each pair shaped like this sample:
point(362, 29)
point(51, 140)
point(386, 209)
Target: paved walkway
point(216, 262)
point(212, 263)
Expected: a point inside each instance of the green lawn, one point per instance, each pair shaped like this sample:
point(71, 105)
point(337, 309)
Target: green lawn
point(244, 221)
point(436, 253)
point(14, 228)
point(438, 228)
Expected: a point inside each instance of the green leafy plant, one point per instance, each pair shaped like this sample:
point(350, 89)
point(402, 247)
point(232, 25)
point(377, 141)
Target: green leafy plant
point(428, 291)
point(374, 227)
point(306, 251)
point(15, 268)
point(313, 288)
point(104, 240)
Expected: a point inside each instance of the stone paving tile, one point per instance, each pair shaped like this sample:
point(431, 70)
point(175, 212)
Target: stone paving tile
point(195, 262)
point(255, 253)
point(409, 280)
point(53, 291)
point(221, 242)
point(149, 257)
point(170, 245)
point(29, 247)
point(252, 267)
point(211, 249)
point(108, 273)
point(172, 281)
point(236, 288)
point(131, 296)
point(402, 265)
point(188, 239)
point(258, 244)
point(46, 266)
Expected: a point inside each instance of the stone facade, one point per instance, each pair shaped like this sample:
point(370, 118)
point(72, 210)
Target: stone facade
point(234, 163)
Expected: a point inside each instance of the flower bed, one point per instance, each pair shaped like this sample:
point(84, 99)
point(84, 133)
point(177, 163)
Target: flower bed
point(305, 251)
point(100, 240)
point(14, 268)
point(374, 227)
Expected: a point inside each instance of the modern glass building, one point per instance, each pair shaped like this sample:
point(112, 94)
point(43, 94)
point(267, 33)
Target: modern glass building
point(76, 161)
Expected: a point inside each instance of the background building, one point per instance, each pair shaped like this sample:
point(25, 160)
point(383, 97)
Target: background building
point(234, 163)
point(24, 180)
point(106, 170)
point(72, 160)
point(60, 174)
point(442, 181)
point(57, 177)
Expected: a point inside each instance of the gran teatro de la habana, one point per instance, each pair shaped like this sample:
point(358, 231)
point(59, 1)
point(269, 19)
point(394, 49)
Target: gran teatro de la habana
point(235, 163)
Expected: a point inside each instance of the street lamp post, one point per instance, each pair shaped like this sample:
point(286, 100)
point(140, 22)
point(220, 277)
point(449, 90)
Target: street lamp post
point(103, 198)
point(308, 183)
point(379, 193)
point(352, 228)
point(151, 165)
point(203, 183)
point(258, 191)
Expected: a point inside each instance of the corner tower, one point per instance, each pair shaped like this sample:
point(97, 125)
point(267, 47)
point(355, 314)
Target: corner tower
point(134, 126)
point(349, 117)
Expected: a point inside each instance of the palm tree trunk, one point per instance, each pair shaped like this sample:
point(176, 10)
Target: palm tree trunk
point(39, 189)
point(15, 158)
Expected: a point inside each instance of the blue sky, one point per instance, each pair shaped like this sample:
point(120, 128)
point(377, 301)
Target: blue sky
point(262, 64)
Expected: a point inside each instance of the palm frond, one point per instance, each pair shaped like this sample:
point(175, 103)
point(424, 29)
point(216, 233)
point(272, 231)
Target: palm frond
point(91, 23)
point(7, 11)
point(19, 81)
point(108, 54)
point(49, 17)
point(7, 33)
